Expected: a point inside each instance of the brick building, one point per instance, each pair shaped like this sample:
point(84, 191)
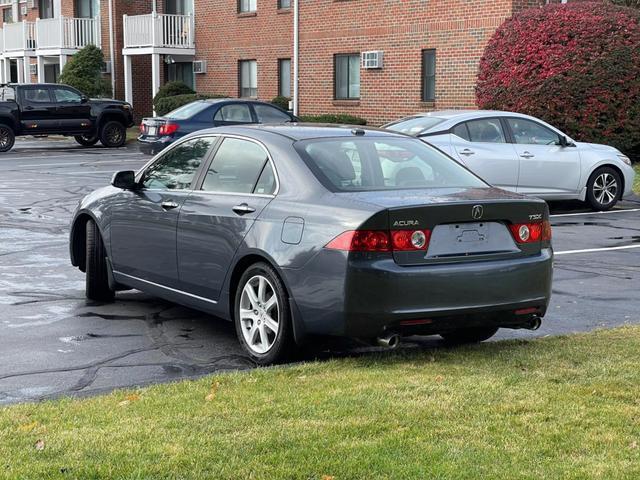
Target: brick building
point(425, 53)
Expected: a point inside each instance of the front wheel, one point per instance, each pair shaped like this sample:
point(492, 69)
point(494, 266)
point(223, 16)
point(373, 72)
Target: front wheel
point(97, 280)
point(113, 134)
point(262, 317)
point(469, 335)
point(86, 140)
point(7, 138)
point(604, 188)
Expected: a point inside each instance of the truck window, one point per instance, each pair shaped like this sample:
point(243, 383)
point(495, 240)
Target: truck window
point(7, 93)
point(36, 95)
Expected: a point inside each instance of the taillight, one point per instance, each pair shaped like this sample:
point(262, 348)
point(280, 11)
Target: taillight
point(142, 128)
point(168, 128)
point(381, 241)
point(531, 232)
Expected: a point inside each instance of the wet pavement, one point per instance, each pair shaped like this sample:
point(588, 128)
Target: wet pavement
point(53, 342)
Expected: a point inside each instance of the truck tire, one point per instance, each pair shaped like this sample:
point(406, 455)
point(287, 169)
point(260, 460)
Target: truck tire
point(97, 280)
point(7, 137)
point(113, 134)
point(86, 140)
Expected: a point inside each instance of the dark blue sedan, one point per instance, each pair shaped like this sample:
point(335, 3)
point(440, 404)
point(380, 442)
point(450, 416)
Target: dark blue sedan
point(156, 133)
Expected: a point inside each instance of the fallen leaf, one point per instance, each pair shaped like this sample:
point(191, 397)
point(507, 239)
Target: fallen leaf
point(633, 445)
point(328, 477)
point(39, 445)
point(28, 427)
point(132, 397)
point(212, 393)
point(439, 378)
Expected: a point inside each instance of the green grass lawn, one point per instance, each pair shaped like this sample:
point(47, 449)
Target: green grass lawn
point(555, 408)
point(636, 183)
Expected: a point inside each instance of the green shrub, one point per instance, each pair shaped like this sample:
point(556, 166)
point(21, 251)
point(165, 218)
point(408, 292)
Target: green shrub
point(168, 104)
point(282, 102)
point(84, 72)
point(172, 89)
point(339, 118)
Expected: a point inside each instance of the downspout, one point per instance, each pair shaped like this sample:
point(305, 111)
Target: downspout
point(112, 51)
point(296, 33)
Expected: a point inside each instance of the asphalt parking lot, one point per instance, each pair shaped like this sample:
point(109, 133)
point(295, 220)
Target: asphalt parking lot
point(53, 342)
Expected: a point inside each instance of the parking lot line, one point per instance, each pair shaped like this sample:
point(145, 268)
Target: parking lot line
point(88, 163)
point(595, 213)
point(78, 154)
point(591, 250)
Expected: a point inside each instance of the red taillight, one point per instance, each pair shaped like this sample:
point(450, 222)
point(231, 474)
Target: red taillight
point(531, 232)
point(168, 128)
point(142, 128)
point(381, 240)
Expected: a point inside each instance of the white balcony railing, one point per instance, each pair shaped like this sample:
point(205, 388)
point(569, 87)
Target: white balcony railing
point(68, 33)
point(154, 30)
point(19, 36)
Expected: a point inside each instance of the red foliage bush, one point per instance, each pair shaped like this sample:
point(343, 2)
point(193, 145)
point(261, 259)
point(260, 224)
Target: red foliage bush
point(577, 66)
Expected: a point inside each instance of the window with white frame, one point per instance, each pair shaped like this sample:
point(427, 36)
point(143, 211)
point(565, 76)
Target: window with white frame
point(248, 81)
point(284, 3)
point(347, 76)
point(246, 6)
point(284, 77)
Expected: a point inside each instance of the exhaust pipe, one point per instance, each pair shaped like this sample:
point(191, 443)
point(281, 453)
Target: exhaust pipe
point(389, 340)
point(534, 323)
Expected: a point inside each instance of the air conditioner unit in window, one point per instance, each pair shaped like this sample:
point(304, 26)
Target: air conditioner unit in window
point(200, 66)
point(372, 60)
point(106, 67)
point(33, 69)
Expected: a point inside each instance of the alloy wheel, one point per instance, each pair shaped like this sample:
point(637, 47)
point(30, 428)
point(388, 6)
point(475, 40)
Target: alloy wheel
point(5, 137)
point(114, 135)
point(259, 314)
point(605, 188)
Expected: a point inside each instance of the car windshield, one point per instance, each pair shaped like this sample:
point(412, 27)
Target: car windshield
point(378, 163)
point(415, 125)
point(187, 111)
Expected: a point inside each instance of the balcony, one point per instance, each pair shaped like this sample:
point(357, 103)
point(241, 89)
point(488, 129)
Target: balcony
point(159, 34)
point(18, 38)
point(64, 35)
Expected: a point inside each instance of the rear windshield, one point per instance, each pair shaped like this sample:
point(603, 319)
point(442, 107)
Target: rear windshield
point(188, 110)
point(364, 164)
point(415, 125)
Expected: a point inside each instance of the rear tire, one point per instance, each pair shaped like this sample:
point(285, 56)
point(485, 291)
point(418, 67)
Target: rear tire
point(97, 280)
point(113, 134)
point(469, 335)
point(261, 305)
point(7, 138)
point(604, 189)
point(87, 140)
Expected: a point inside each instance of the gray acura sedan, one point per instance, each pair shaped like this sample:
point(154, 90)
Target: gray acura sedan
point(297, 231)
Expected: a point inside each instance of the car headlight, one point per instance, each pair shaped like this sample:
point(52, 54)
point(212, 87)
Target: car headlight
point(624, 158)
point(127, 106)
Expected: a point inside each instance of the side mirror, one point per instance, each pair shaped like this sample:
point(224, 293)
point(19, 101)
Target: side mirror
point(84, 99)
point(564, 142)
point(125, 180)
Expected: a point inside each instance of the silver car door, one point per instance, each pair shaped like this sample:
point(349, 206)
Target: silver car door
point(482, 146)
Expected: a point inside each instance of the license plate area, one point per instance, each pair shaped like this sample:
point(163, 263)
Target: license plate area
point(470, 238)
point(152, 131)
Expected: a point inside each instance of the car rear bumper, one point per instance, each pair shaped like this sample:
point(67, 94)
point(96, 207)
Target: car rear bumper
point(154, 145)
point(368, 296)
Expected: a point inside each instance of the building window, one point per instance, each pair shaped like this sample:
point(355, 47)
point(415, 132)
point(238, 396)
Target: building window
point(248, 81)
point(45, 8)
point(87, 8)
point(245, 6)
point(181, 72)
point(347, 76)
point(284, 3)
point(284, 77)
point(7, 15)
point(429, 75)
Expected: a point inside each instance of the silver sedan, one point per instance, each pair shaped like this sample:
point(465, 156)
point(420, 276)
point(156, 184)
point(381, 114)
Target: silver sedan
point(526, 155)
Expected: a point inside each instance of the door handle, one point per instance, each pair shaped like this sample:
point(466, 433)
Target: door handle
point(243, 209)
point(527, 155)
point(169, 205)
point(467, 152)
point(28, 107)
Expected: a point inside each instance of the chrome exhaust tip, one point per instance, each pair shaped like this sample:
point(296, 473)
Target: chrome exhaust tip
point(534, 323)
point(389, 340)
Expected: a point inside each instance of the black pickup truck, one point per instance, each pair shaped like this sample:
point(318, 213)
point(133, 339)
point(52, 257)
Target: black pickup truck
point(53, 109)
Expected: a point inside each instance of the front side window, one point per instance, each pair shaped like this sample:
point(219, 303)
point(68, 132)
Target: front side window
point(234, 112)
point(529, 132)
point(176, 169)
point(66, 95)
point(37, 95)
point(267, 114)
point(284, 77)
point(367, 164)
point(245, 6)
point(347, 77)
point(248, 72)
point(486, 130)
point(429, 75)
point(236, 168)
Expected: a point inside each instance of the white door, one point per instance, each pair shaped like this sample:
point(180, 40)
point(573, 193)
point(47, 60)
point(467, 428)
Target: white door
point(546, 167)
point(482, 146)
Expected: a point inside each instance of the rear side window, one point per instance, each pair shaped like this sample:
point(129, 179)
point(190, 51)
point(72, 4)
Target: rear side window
point(236, 167)
point(267, 114)
point(236, 112)
point(366, 164)
point(486, 130)
point(37, 95)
